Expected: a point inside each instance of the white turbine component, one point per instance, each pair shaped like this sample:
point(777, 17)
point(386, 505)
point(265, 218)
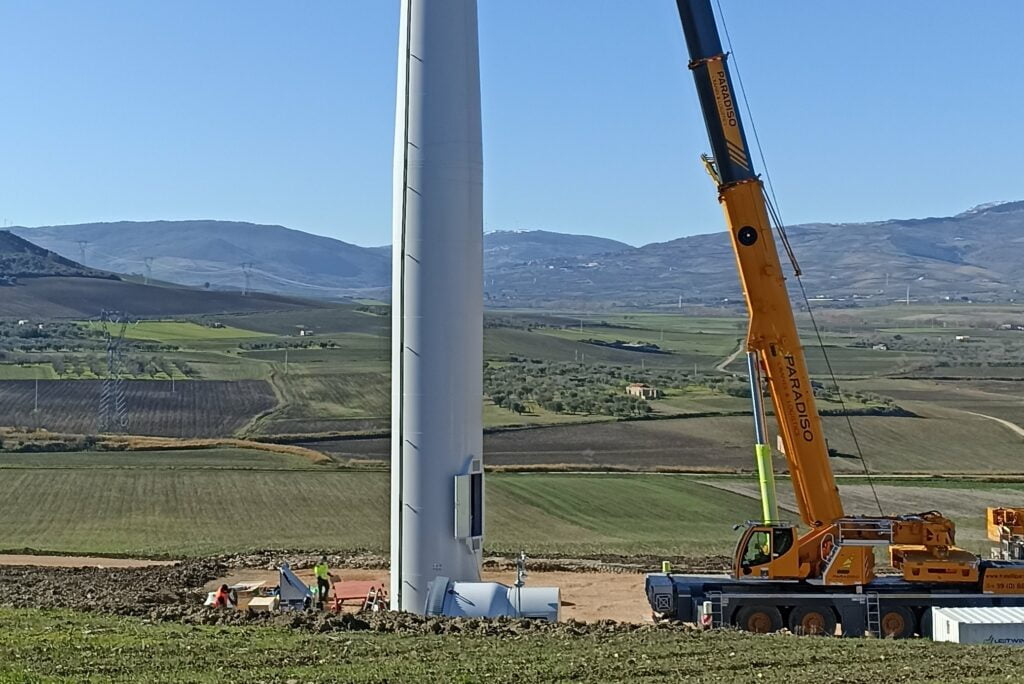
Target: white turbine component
point(491, 600)
point(437, 303)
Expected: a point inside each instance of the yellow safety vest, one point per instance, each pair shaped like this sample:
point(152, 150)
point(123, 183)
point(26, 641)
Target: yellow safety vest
point(321, 570)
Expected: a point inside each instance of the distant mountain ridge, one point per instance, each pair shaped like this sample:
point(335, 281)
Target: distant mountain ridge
point(504, 247)
point(978, 253)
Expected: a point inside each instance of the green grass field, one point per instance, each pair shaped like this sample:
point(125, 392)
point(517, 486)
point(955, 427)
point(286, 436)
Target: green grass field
point(225, 500)
point(191, 503)
point(324, 398)
point(588, 514)
point(342, 318)
point(181, 331)
point(334, 389)
point(222, 365)
point(45, 371)
point(192, 512)
point(27, 371)
point(63, 646)
point(353, 350)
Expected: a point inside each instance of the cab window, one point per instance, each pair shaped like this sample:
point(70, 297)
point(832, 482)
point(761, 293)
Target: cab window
point(758, 548)
point(782, 541)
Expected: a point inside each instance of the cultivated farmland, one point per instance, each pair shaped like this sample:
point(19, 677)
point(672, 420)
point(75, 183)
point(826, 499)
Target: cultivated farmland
point(220, 501)
point(140, 506)
point(186, 409)
point(969, 444)
point(221, 458)
point(183, 331)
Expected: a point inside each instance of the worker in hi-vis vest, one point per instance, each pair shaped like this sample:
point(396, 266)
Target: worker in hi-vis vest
point(323, 581)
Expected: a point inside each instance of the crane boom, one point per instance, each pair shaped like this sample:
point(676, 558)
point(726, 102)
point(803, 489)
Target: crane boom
point(772, 332)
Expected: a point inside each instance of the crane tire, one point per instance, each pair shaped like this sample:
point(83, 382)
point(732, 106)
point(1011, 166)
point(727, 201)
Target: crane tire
point(925, 627)
point(812, 621)
point(897, 622)
point(758, 619)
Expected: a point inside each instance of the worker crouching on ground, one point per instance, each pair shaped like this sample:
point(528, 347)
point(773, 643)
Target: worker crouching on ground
point(222, 597)
point(323, 581)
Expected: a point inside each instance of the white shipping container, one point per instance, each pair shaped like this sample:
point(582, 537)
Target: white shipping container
point(979, 625)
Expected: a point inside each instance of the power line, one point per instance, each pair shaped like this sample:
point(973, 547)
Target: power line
point(247, 270)
point(113, 411)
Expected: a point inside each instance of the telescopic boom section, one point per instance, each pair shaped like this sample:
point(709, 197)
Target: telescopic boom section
point(772, 332)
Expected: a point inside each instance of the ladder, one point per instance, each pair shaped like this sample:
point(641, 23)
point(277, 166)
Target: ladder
point(874, 614)
point(376, 597)
point(715, 597)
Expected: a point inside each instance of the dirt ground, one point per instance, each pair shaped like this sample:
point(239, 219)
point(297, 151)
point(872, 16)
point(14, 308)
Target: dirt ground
point(133, 586)
point(586, 596)
point(78, 561)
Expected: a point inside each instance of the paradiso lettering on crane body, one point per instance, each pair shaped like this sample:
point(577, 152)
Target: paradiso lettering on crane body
point(727, 113)
point(803, 417)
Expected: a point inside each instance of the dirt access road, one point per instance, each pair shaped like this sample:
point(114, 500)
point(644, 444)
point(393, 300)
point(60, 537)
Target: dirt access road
point(1005, 423)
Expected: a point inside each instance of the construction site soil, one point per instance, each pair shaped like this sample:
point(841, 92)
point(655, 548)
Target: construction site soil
point(220, 645)
point(599, 595)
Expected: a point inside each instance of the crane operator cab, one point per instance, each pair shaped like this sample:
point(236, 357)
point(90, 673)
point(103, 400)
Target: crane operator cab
point(767, 552)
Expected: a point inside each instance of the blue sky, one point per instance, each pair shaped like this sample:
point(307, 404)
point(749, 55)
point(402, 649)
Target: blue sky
point(277, 112)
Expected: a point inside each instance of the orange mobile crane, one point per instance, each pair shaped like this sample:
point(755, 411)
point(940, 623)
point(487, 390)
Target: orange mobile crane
point(813, 577)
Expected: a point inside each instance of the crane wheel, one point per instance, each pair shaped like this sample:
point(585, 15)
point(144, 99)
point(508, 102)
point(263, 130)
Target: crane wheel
point(812, 621)
point(897, 622)
point(758, 619)
point(925, 628)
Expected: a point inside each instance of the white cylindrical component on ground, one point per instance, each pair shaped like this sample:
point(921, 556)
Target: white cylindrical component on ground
point(491, 600)
point(437, 300)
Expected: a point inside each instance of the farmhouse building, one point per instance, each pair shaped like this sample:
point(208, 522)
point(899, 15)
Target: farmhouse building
point(639, 389)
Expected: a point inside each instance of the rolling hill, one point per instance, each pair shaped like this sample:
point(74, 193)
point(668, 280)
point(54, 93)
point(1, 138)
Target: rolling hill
point(19, 258)
point(35, 282)
point(978, 254)
point(198, 253)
